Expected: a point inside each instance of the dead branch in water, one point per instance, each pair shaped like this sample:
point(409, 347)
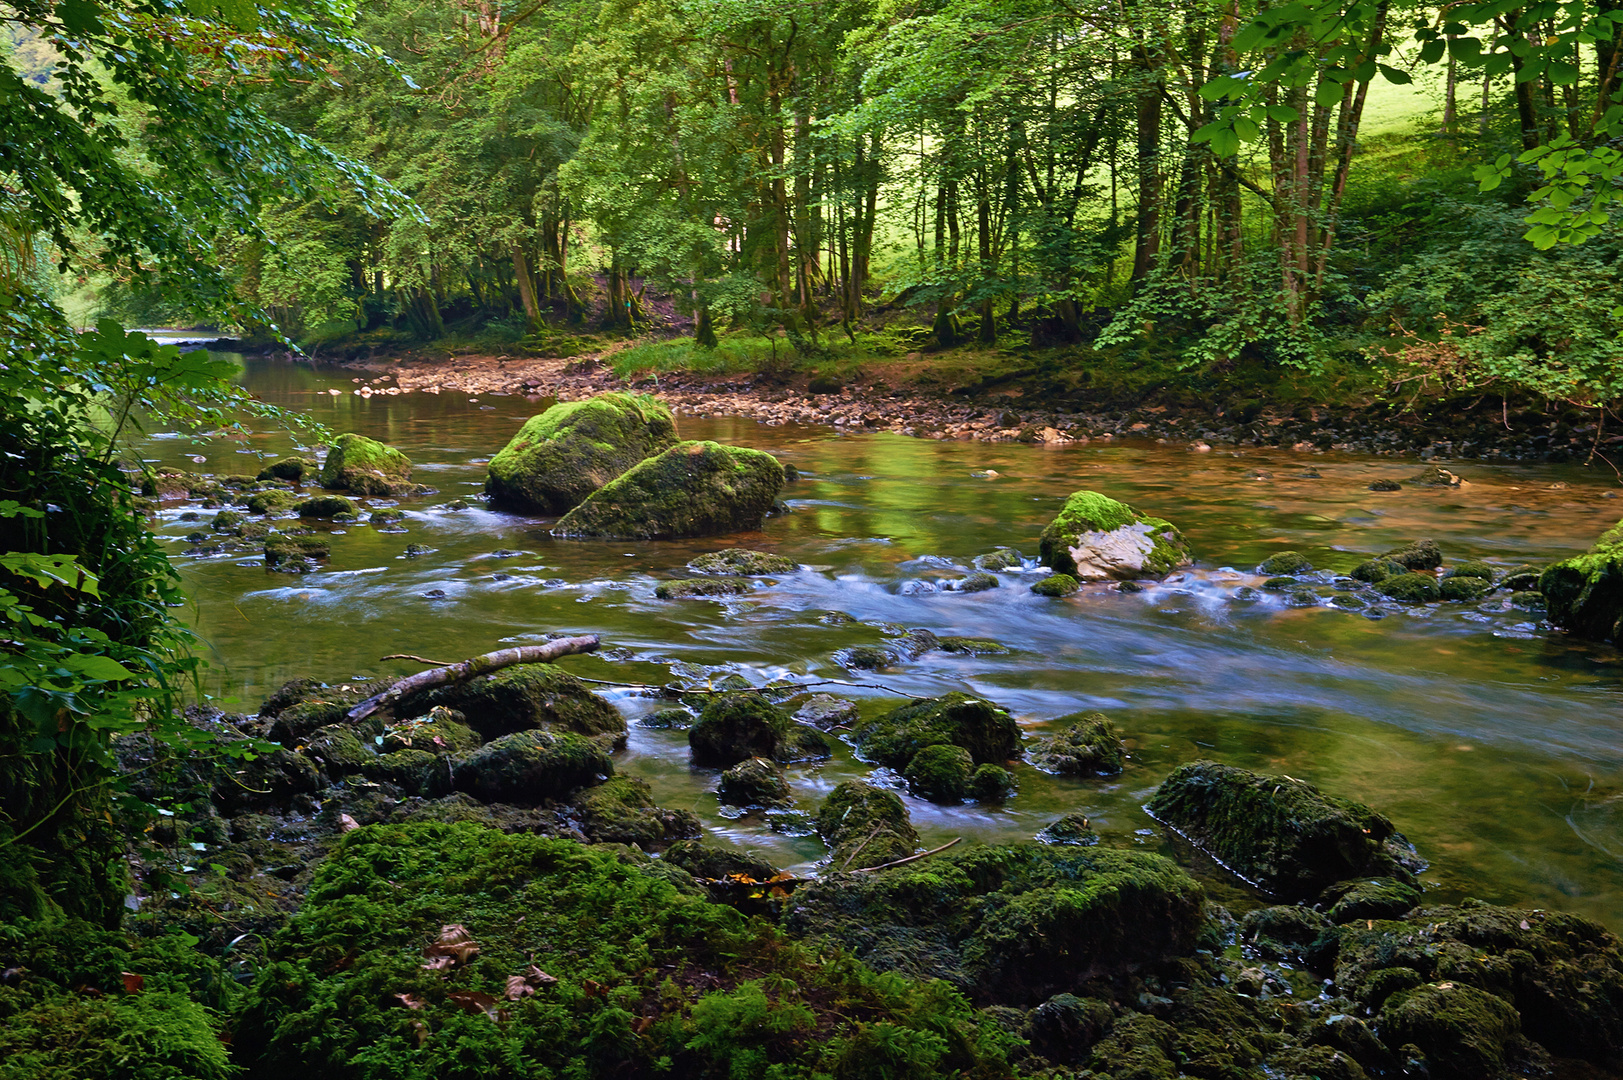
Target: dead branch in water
point(910, 858)
point(475, 666)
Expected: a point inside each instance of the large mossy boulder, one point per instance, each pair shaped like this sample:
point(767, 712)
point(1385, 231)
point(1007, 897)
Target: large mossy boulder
point(989, 733)
point(865, 826)
point(692, 489)
point(1281, 834)
point(569, 451)
point(1089, 745)
point(366, 467)
point(1096, 538)
point(519, 698)
point(742, 725)
point(529, 767)
point(1585, 595)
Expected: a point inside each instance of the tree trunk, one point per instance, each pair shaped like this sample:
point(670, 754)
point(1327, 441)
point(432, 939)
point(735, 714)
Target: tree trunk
point(526, 286)
point(1147, 248)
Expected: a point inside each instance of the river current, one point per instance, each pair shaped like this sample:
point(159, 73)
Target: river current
point(1494, 744)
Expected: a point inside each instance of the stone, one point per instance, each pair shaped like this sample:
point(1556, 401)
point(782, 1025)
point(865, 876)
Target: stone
point(1282, 932)
point(1463, 588)
point(295, 553)
point(622, 811)
point(1072, 829)
point(529, 767)
point(972, 646)
point(864, 826)
point(1285, 562)
point(693, 489)
point(442, 731)
point(989, 733)
point(1471, 568)
point(1281, 834)
point(1375, 571)
point(699, 589)
point(979, 581)
point(1001, 559)
point(1410, 588)
point(337, 751)
point(1463, 1032)
point(1417, 555)
point(865, 657)
point(1056, 585)
point(990, 783)
point(1436, 476)
point(743, 562)
point(272, 502)
point(940, 773)
point(1372, 898)
point(755, 781)
point(292, 469)
point(1096, 538)
point(1088, 745)
point(1386, 485)
point(326, 506)
point(827, 712)
point(414, 772)
point(1520, 578)
point(566, 453)
point(520, 698)
point(672, 719)
point(1584, 595)
point(737, 726)
point(366, 467)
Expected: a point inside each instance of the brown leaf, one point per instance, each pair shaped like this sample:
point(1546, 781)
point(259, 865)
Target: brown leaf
point(408, 1000)
point(517, 987)
point(133, 982)
point(454, 946)
point(593, 989)
point(536, 977)
point(347, 823)
point(473, 1002)
point(643, 1024)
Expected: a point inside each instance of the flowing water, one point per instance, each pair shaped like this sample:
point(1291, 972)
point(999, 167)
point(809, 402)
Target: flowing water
point(1494, 744)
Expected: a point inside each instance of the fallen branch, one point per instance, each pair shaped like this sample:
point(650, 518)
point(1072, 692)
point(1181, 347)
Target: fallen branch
point(478, 665)
point(910, 858)
point(416, 659)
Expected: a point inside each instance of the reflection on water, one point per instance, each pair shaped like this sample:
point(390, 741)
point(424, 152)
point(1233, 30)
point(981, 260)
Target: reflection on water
point(1494, 745)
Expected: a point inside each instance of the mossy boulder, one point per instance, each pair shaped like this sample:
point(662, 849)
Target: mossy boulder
point(529, 767)
point(337, 751)
point(1072, 829)
point(326, 506)
point(827, 712)
point(987, 732)
point(1471, 568)
point(1463, 1032)
point(940, 773)
point(1410, 588)
point(705, 860)
point(1282, 835)
point(272, 502)
point(1056, 585)
point(271, 780)
point(865, 657)
point(1096, 538)
point(979, 581)
point(572, 449)
point(1417, 555)
point(413, 771)
point(1519, 578)
point(442, 731)
point(865, 826)
point(1463, 588)
point(699, 589)
point(295, 470)
point(1066, 1026)
point(968, 646)
point(737, 726)
point(1375, 571)
point(519, 698)
point(1584, 595)
point(1001, 559)
point(622, 811)
point(991, 783)
point(1372, 898)
point(674, 718)
point(743, 562)
point(692, 489)
point(1282, 932)
point(756, 781)
point(1089, 745)
point(1285, 562)
point(366, 467)
point(295, 554)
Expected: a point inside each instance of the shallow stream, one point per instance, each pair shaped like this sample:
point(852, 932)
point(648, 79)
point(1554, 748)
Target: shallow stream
point(1494, 744)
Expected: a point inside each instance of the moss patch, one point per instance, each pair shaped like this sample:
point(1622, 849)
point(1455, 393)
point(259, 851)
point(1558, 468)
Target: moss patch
point(692, 489)
point(1089, 746)
point(569, 451)
point(1155, 547)
point(366, 467)
point(521, 697)
point(744, 562)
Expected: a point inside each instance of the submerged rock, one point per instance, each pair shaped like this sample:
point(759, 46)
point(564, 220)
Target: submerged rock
point(519, 698)
point(529, 767)
point(743, 562)
point(692, 489)
point(1056, 585)
point(1584, 595)
point(987, 732)
point(1281, 834)
point(1096, 538)
point(699, 589)
point(1089, 746)
point(561, 456)
point(366, 467)
point(864, 826)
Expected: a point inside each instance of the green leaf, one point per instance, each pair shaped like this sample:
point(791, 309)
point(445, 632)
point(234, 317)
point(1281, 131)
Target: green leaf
point(101, 668)
point(1395, 75)
point(1432, 51)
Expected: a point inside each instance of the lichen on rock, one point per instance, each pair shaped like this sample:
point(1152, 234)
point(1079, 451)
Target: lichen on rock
point(562, 455)
point(1096, 538)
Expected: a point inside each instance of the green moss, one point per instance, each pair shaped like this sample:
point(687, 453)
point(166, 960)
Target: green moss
point(1285, 562)
point(442, 731)
point(1462, 1031)
point(1463, 588)
point(337, 750)
point(528, 767)
point(986, 731)
point(1056, 585)
point(1282, 932)
point(991, 784)
point(1281, 834)
point(292, 469)
point(416, 772)
point(672, 719)
point(978, 582)
point(519, 698)
point(864, 826)
point(1089, 745)
point(1471, 568)
point(1519, 578)
point(1375, 898)
point(1376, 571)
point(744, 562)
point(227, 521)
point(326, 506)
point(1417, 555)
point(572, 449)
point(622, 811)
point(865, 657)
point(940, 773)
point(704, 860)
point(365, 467)
point(756, 781)
point(972, 646)
point(1584, 595)
point(692, 489)
point(699, 589)
point(272, 502)
point(1412, 588)
point(389, 516)
point(738, 726)
point(1159, 549)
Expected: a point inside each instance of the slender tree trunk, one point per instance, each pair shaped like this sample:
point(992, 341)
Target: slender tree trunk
point(526, 286)
point(1147, 248)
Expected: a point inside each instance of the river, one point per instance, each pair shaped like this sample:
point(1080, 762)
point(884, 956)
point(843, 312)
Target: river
point(1494, 744)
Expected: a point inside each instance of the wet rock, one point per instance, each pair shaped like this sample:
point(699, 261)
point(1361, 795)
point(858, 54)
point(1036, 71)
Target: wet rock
point(1533, 602)
point(519, 698)
point(1137, 1048)
point(1471, 568)
point(672, 719)
point(754, 782)
point(692, 489)
point(1001, 559)
point(1436, 476)
point(712, 861)
point(1417, 555)
point(442, 731)
point(699, 589)
point(622, 811)
point(865, 657)
point(1386, 485)
point(1088, 745)
point(1375, 571)
point(566, 453)
point(737, 726)
point(972, 646)
point(1056, 585)
point(413, 771)
point(227, 521)
point(1347, 601)
point(1375, 898)
point(326, 506)
point(1095, 538)
point(295, 554)
point(292, 469)
point(1282, 932)
point(1585, 594)
point(1520, 578)
point(956, 719)
point(1281, 834)
point(272, 502)
point(387, 516)
point(1463, 588)
point(827, 712)
point(1285, 562)
point(1071, 830)
point(1463, 1032)
point(1280, 584)
point(976, 582)
point(864, 826)
point(1411, 588)
point(366, 467)
point(991, 783)
point(743, 562)
point(528, 767)
point(1351, 1036)
point(940, 773)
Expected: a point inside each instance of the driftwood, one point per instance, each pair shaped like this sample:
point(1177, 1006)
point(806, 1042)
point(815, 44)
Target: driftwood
point(910, 858)
point(478, 665)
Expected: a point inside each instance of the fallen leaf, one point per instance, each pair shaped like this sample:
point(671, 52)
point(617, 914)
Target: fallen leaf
point(347, 823)
point(133, 982)
point(593, 989)
point(536, 977)
point(1526, 925)
point(453, 947)
point(473, 1002)
point(643, 1024)
point(518, 987)
point(408, 1000)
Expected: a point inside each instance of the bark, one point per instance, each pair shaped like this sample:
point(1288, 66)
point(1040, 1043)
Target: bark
point(483, 664)
point(526, 286)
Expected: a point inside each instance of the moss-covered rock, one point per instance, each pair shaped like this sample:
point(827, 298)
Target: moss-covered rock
point(442, 731)
point(292, 469)
point(865, 657)
point(704, 860)
point(827, 712)
point(699, 589)
point(386, 517)
point(1471, 568)
point(1089, 745)
point(1281, 834)
point(756, 781)
point(622, 811)
point(1001, 559)
point(337, 751)
point(1463, 588)
point(1096, 538)
point(1410, 588)
point(736, 726)
point(1375, 571)
point(1056, 585)
point(366, 467)
point(519, 698)
point(1065, 1026)
point(1584, 595)
point(864, 826)
point(743, 562)
point(991, 783)
point(326, 506)
point(413, 771)
point(272, 502)
point(272, 779)
point(1072, 829)
point(940, 773)
point(1519, 578)
point(972, 646)
point(295, 554)
point(1374, 898)
point(1463, 1032)
point(672, 719)
point(528, 767)
point(1417, 555)
point(1285, 562)
point(989, 733)
point(228, 521)
point(1284, 931)
point(979, 581)
point(692, 489)
point(572, 449)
